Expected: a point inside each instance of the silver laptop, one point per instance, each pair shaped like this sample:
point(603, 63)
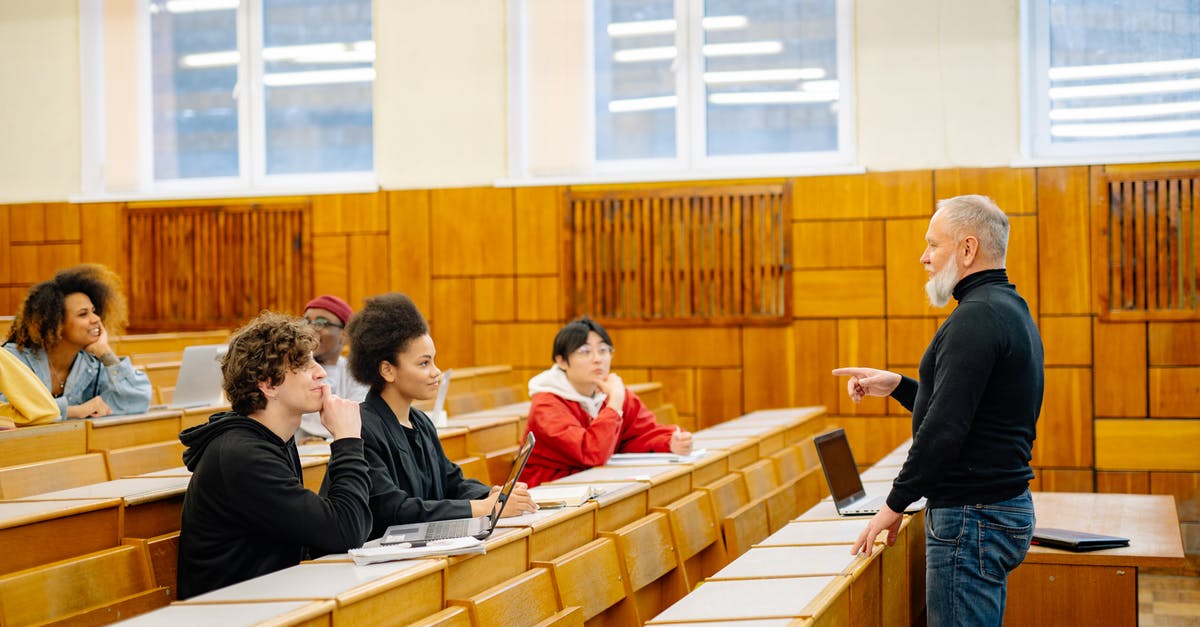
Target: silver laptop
point(443, 387)
point(845, 484)
point(198, 383)
point(420, 534)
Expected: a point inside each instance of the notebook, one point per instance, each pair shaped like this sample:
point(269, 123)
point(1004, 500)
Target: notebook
point(1075, 540)
point(420, 534)
point(198, 383)
point(845, 484)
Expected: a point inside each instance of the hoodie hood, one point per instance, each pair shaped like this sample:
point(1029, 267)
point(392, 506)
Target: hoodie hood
point(555, 382)
point(197, 438)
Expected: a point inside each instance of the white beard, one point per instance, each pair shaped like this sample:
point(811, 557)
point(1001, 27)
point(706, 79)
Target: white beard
point(940, 286)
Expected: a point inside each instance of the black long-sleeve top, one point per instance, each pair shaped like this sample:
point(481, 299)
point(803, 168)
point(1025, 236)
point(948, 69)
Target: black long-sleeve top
point(411, 478)
point(976, 407)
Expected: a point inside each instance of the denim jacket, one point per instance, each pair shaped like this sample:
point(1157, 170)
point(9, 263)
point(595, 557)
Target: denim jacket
point(126, 389)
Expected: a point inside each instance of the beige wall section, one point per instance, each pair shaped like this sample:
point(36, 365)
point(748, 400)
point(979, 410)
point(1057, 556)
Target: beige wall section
point(938, 83)
point(39, 114)
point(441, 93)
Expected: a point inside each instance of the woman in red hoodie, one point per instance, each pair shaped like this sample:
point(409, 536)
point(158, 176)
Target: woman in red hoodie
point(582, 413)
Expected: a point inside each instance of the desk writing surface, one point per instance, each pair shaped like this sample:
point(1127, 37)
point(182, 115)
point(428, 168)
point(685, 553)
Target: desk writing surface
point(603, 474)
point(824, 510)
point(742, 599)
point(782, 415)
point(321, 580)
point(318, 449)
point(112, 421)
point(880, 473)
point(17, 513)
point(750, 622)
point(178, 471)
point(790, 561)
point(547, 517)
point(133, 490)
point(233, 614)
point(843, 531)
point(519, 410)
point(737, 429)
point(1150, 521)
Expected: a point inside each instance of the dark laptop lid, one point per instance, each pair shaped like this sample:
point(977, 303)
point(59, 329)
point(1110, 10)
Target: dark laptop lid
point(510, 483)
point(841, 473)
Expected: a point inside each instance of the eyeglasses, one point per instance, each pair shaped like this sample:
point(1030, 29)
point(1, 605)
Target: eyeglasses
point(585, 351)
point(320, 323)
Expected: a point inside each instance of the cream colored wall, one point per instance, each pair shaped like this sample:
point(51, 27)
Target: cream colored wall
point(39, 110)
point(937, 81)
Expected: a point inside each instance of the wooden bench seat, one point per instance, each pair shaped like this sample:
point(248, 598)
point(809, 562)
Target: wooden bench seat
point(144, 458)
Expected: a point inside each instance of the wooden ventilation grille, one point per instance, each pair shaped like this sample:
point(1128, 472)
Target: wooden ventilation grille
point(720, 255)
point(216, 266)
point(1150, 269)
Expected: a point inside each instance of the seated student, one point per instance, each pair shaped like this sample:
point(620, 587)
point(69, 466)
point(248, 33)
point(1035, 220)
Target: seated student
point(29, 402)
point(582, 413)
point(246, 511)
point(329, 315)
point(411, 478)
point(61, 333)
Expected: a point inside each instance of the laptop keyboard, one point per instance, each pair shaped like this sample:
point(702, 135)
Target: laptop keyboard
point(444, 529)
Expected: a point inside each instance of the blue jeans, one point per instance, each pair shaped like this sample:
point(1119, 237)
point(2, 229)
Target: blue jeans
point(969, 551)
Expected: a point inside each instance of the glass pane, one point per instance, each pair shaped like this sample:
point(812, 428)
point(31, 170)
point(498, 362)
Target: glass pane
point(194, 71)
point(635, 79)
point(770, 76)
point(1124, 70)
point(318, 79)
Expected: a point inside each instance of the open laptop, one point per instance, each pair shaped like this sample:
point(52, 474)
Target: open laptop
point(198, 383)
point(845, 484)
point(420, 534)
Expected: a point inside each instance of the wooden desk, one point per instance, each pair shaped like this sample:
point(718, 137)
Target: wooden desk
point(520, 410)
point(454, 442)
point(771, 437)
point(487, 434)
point(795, 597)
point(193, 416)
point(39, 532)
point(844, 531)
point(619, 504)
point(742, 449)
point(507, 556)
point(880, 473)
point(667, 482)
point(390, 592)
point(800, 422)
point(556, 531)
point(1100, 587)
point(36, 443)
point(153, 505)
point(274, 613)
point(120, 431)
point(791, 561)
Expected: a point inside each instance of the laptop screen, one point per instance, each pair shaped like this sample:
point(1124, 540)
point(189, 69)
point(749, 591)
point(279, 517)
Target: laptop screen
point(514, 471)
point(833, 449)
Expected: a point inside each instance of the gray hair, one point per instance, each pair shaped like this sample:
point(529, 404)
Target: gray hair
point(979, 216)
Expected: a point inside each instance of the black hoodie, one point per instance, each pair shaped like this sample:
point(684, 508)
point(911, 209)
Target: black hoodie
point(246, 511)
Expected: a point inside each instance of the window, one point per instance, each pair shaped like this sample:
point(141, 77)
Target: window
point(680, 85)
point(1112, 79)
point(237, 95)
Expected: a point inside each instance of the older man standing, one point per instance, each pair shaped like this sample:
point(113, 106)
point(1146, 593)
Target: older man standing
point(975, 413)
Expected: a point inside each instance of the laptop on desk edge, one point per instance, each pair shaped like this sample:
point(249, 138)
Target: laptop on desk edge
point(420, 534)
point(845, 483)
point(198, 382)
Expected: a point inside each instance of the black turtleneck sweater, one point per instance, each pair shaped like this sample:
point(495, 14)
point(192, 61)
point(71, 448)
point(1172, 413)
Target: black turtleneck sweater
point(975, 409)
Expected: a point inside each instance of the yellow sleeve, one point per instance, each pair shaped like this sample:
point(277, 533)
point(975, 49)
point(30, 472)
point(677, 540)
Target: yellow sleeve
point(29, 402)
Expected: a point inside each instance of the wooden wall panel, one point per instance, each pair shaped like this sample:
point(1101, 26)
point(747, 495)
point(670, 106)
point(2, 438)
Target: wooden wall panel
point(906, 276)
point(1175, 393)
point(1064, 237)
point(824, 197)
point(1184, 486)
point(1174, 343)
point(366, 266)
point(825, 293)
point(472, 232)
point(679, 387)
point(1119, 351)
point(27, 222)
point(525, 345)
point(816, 357)
point(1067, 340)
point(837, 244)
point(1064, 480)
point(538, 298)
point(410, 257)
point(720, 395)
point(1013, 189)
point(451, 323)
point(1023, 260)
point(907, 194)
point(104, 241)
point(349, 213)
point(1123, 482)
point(907, 339)
point(700, 347)
point(495, 299)
point(862, 343)
point(25, 268)
point(769, 367)
point(1147, 444)
point(61, 222)
point(539, 229)
point(5, 250)
point(53, 257)
point(330, 267)
point(1064, 430)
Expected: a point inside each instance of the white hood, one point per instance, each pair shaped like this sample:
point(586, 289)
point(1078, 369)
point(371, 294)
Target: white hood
point(555, 382)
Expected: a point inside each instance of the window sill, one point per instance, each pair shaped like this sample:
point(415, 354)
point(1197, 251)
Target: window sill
point(609, 178)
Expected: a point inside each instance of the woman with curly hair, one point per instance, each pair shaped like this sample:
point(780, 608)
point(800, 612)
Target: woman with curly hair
point(61, 333)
